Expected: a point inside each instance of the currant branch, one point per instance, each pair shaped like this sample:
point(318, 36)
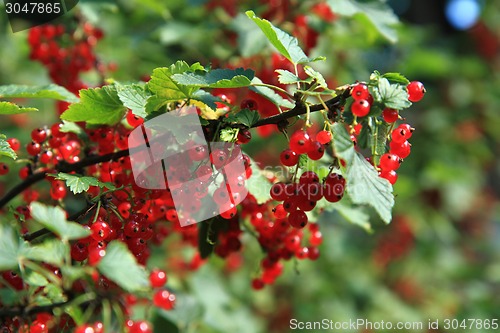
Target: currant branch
point(63, 166)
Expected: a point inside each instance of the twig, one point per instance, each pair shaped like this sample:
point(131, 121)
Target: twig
point(64, 166)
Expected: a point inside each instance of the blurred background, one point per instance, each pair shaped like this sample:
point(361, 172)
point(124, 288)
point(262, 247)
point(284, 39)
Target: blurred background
point(438, 259)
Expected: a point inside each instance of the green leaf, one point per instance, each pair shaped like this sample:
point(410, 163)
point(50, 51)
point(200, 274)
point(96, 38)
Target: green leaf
point(97, 106)
point(245, 117)
point(134, 97)
point(393, 96)
point(165, 87)
point(5, 149)
point(258, 185)
point(287, 45)
point(12, 248)
point(228, 134)
point(217, 78)
point(206, 98)
point(54, 219)
point(120, 266)
point(52, 251)
point(11, 108)
point(378, 13)
point(77, 183)
point(362, 181)
point(9, 296)
point(320, 80)
point(270, 94)
point(52, 91)
point(250, 40)
point(35, 279)
point(396, 78)
point(71, 127)
point(354, 215)
point(287, 77)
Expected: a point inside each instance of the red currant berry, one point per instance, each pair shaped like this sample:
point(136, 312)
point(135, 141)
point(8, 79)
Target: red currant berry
point(100, 230)
point(300, 142)
point(164, 299)
point(308, 177)
point(218, 158)
point(324, 137)
point(289, 158)
point(298, 219)
point(46, 156)
point(278, 192)
point(133, 120)
point(360, 92)
point(391, 176)
point(4, 169)
point(390, 162)
point(14, 144)
point(257, 284)
point(157, 278)
point(57, 192)
point(39, 135)
point(280, 212)
point(416, 91)
point(316, 151)
point(360, 107)
point(95, 255)
point(390, 115)
point(228, 211)
point(86, 328)
point(33, 148)
point(244, 136)
point(403, 150)
point(249, 103)
point(24, 172)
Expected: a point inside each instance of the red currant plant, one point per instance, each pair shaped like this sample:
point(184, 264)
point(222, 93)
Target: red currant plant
point(103, 248)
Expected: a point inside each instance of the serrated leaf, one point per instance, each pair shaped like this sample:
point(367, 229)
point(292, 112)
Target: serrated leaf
point(393, 96)
point(7, 108)
point(396, 78)
point(54, 219)
point(52, 91)
point(287, 45)
point(12, 248)
point(250, 40)
point(258, 185)
point(217, 78)
point(51, 251)
point(134, 97)
point(165, 87)
point(270, 94)
point(287, 77)
point(362, 181)
point(378, 13)
point(97, 106)
point(245, 117)
point(120, 266)
point(320, 80)
point(76, 183)
point(5, 149)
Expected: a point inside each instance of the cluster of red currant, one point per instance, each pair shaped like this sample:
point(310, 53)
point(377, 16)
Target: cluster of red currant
point(65, 59)
point(279, 239)
point(399, 145)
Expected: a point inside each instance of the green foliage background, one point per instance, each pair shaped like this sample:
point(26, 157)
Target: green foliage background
point(447, 192)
